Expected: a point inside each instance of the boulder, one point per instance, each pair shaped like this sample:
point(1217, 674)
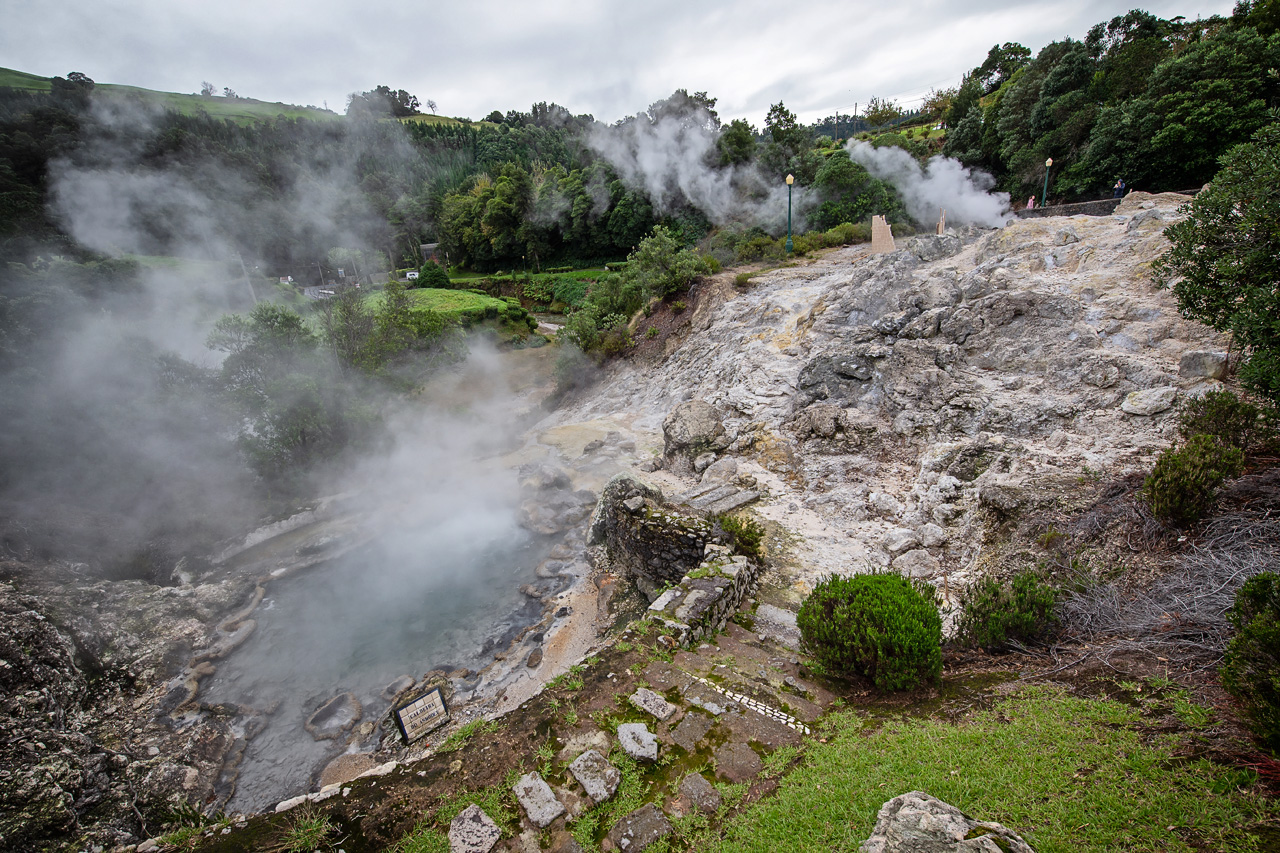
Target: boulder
point(917, 563)
point(918, 823)
point(692, 429)
point(934, 247)
point(1151, 401)
point(721, 471)
point(473, 831)
point(900, 539)
point(1201, 364)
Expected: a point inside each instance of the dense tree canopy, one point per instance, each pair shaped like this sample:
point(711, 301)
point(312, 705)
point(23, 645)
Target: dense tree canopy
point(1225, 260)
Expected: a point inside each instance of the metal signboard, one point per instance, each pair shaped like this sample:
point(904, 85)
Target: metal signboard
point(422, 715)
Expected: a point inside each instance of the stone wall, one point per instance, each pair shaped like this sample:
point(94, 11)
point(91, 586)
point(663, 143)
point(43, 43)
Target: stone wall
point(656, 545)
point(707, 597)
point(1101, 207)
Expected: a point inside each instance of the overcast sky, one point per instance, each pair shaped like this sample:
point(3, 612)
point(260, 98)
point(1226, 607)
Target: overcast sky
point(609, 59)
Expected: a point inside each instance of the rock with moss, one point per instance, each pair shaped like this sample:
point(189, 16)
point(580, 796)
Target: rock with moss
point(916, 822)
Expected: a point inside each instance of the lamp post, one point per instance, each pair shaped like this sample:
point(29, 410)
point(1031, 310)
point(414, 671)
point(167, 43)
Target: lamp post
point(1044, 199)
point(791, 179)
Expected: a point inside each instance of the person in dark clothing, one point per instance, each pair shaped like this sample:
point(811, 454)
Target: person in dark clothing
point(1118, 190)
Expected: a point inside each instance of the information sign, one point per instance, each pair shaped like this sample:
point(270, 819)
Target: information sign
point(422, 715)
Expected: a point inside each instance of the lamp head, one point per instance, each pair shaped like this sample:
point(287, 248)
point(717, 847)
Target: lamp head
point(1048, 163)
point(791, 179)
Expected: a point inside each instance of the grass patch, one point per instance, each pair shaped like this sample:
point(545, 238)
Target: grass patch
point(1068, 774)
point(459, 739)
point(571, 680)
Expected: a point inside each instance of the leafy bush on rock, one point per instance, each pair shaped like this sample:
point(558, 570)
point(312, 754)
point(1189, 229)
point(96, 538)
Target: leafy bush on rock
point(878, 626)
point(1251, 670)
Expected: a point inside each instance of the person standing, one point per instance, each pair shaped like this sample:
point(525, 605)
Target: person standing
point(1118, 190)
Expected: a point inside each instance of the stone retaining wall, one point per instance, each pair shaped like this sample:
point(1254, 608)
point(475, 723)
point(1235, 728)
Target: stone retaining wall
point(1101, 207)
point(653, 543)
point(707, 597)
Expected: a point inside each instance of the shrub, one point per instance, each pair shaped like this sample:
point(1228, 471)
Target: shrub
point(1234, 422)
point(1251, 670)
point(747, 533)
point(652, 333)
point(879, 626)
point(993, 614)
point(538, 291)
point(570, 291)
point(679, 305)
point(432, 274)
point(742, 279)
point(1184, 483)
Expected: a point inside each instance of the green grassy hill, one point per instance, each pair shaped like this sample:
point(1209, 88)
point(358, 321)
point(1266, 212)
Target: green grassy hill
point(240, 110)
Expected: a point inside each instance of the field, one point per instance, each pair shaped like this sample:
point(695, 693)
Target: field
point(450, 303)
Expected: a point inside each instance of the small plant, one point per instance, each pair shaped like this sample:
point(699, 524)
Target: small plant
point(1184, 483)
point(306, 833)
point(678, 306)
point(1050, 537)
point(747, 534)
point(570, 680)
point(992, 614)
point(1251, 669)
point(459, 739)
point(652, 333)
point(879, 626)
point(742, 279)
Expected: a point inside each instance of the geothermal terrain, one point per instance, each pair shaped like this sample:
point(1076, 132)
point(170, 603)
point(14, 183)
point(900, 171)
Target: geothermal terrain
point(900, 411)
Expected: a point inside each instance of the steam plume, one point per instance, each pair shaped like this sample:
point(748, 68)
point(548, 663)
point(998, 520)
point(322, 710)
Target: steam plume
point(943, 184)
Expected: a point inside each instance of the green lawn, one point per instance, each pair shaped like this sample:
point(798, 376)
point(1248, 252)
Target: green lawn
point(450, 303)
point(1068, 774)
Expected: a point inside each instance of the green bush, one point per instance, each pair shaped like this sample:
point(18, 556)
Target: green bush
point(747, 533)
point(570, 291)
point(993, 614)
point(742, 279)
point(1234, 422)
point(879, 626)
point(431, 274)
point(1184, 483)
point(538, 291)
point(1251, 670)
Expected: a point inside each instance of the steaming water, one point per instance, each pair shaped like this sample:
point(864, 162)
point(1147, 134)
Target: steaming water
point(412, 602)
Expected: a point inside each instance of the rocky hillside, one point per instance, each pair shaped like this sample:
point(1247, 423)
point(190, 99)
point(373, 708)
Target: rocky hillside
point(882, 401)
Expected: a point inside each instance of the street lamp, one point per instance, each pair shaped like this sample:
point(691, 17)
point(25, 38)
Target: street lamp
point(791, 179)
point(1044, 199)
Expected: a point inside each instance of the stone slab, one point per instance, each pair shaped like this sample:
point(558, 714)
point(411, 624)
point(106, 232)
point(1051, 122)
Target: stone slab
point(638, 742)
point(733, 502)
point(537, 799)
point(653, 704)
point(692, 729)
point(737, 762)
point(716, 494)
point(700, 793)
point(596, 775)
point(473, 831)
point(640, 829)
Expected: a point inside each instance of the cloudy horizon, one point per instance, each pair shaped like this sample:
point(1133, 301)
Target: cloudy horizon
point(586, 56)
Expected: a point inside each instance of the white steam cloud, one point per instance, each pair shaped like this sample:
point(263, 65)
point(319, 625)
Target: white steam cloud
point(673, 160)
point(942, 184)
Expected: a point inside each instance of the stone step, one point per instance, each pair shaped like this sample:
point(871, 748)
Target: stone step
point(698, 491)
point(719, 493)
point(732, 502)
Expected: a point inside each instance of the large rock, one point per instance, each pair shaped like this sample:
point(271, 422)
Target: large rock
point(916, 563)
point(537, 799)
point(700, 793)
point(1201, 364)
point(1151, 401)
point(473, 831)
point(918, 823)
point(692, 428)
